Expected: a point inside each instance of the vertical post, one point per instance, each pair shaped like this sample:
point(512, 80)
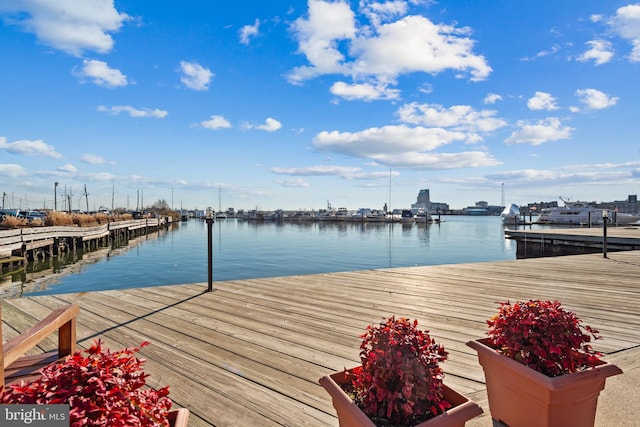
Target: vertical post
point(55, 196)
point(209, 220)
point(605, 218)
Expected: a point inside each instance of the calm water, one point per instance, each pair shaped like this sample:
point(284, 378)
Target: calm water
point(244, 249)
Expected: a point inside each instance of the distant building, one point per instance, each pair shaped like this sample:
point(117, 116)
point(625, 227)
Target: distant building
point(482, 208)
point(534, 208)
point(424, 203)
point(625, 206)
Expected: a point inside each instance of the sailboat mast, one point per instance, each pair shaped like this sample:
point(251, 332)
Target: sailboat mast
point(390, 211)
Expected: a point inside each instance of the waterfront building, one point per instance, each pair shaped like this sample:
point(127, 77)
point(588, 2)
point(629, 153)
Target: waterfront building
point(424, 203)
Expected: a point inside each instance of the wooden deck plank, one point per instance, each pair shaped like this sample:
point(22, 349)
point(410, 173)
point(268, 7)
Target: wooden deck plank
point(251, 352)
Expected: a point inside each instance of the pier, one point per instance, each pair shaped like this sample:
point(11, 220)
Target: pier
point(573, 241)
point(17, 246)
point(251, 351)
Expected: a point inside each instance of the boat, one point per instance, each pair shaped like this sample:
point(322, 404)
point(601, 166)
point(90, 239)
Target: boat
point(407, 217)
point(582, 213)
point(510, 215)
point(423, 216)
point(220, 214)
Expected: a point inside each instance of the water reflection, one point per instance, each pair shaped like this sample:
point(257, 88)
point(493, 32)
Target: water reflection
point(40, 274)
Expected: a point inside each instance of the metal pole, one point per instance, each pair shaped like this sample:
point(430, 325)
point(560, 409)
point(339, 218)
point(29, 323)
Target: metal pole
point(210, 249)
point(605, 217)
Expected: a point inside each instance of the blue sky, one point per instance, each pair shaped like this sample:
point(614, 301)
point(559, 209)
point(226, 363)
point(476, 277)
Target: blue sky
point(293, 104)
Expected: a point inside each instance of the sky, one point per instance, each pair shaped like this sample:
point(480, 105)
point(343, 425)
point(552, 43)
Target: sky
point(301, 104)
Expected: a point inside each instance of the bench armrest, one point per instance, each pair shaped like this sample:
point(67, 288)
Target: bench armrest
point(62, 320)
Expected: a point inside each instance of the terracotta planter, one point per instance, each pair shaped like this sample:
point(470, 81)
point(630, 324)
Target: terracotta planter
point(350, 415)
point(178, 417)
point(520, 396)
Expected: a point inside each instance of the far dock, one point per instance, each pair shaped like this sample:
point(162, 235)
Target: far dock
point(251, 352)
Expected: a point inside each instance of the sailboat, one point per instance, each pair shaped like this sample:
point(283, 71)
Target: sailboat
point(220, 214)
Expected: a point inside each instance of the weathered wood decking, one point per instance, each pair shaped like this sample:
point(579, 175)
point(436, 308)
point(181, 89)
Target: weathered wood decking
point(250, 353)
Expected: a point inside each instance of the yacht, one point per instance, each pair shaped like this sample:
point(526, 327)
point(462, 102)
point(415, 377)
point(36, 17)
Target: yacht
point(580, 213)
point(511, 215)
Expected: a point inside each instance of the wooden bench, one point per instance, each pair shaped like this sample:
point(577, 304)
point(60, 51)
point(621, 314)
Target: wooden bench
point(16, 366)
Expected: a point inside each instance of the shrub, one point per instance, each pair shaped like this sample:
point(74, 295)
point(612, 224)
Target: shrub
point(102, 388)
point(83, 220)
point(543, 336)
point(400, 379)
point(101, 218)
point(11, 221)
point(58, 218)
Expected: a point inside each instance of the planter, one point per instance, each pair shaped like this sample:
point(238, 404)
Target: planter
point(178, 417)
point(520, 396)
point(349, 414)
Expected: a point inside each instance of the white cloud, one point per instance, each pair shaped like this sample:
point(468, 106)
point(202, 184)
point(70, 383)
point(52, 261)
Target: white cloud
point(270, 125)
point(334, 43)
point(342, 171)
point(92, 159)
point(68, 25)
point(600, 52)
point(29, 148)
point(216, 122)
point(626, 23)
point(318, 38)
point(363, 91)
point(553, 50)
point(542, 101)
point(415, 44)
point(101, 74)
point(379, 12)
point(293, 183)
point(550, 129)
point(249, 31)
point(438, 161)
point(584, 174)
point(492, 98)
point(67, 168)
point(195, 76)
point(100, 176)
point(595, 99)
point(375, 142)
point(133, 112)
point(12, 170)
point(457, 117)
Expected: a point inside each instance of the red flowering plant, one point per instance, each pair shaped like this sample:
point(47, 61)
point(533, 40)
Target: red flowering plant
point(543, 336)
point(400, 380)
point(102, 388)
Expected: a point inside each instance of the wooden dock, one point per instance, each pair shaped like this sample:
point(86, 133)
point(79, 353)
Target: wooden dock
point(573, 241)
point(20, 244)
point(250, 353)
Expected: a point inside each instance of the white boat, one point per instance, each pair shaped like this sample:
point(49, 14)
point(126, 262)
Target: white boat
point(407, 217)
point(580, 213)
point(511, 215)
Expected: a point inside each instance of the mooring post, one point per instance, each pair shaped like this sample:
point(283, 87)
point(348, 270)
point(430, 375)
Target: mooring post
point(209, 220)
point(605, 218)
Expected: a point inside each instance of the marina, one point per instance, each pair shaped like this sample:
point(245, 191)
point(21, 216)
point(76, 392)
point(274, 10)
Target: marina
point(252, 249)
point(251, 352)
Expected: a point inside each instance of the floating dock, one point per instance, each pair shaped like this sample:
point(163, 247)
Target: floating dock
point(573, 241)
point(251, 352)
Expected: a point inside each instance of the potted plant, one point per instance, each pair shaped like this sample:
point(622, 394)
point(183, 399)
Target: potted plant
point(399, 381)
point(101, 388)
point(540, 369)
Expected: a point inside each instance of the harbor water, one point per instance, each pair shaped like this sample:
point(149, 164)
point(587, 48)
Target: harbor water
point(249, 249)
